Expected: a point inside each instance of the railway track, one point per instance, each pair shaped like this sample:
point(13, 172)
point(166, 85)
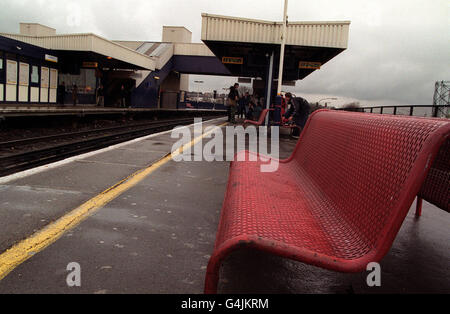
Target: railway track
point(82, 142)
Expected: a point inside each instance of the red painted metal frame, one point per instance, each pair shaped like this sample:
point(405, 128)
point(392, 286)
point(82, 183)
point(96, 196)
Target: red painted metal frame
point(261, 120)
point(436, 187)
point(347, 189)
point(419, 206)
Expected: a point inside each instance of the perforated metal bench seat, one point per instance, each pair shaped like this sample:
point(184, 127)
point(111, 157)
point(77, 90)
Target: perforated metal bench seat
point(339, 200)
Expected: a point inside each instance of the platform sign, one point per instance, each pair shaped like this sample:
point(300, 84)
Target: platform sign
point(24, 74)
point(245, 80)
point(232, 60)
point(288, 83)
point(90, 65)
point(51, 58)
point(11, 72)
point(309, 65)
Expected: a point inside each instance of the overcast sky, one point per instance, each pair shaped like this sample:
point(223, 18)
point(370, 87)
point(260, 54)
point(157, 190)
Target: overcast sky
point(397, 49)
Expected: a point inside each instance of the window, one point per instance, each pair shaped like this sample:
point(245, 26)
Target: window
point(86, 81)
point(35, 74)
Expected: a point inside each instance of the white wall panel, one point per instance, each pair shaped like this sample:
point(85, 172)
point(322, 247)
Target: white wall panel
point(44, 95)
point(34, 94)
point(23, 93)
point(11, 92)
point(52, 95)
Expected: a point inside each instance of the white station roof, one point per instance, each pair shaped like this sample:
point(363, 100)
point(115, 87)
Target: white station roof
point(315, 34)
point(88, 42)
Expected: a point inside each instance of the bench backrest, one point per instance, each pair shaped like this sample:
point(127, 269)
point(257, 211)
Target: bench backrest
point(369, 168)
point(262, 116)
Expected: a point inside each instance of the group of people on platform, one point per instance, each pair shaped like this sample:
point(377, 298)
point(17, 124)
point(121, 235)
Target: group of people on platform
point(244, 106)
point(295, 111)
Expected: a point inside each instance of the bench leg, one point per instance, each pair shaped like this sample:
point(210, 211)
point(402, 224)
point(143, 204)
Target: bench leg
point(419, 207)
point(212, 275)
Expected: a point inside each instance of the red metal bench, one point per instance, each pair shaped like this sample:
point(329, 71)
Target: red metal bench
point(262, 118)
point(339, 200)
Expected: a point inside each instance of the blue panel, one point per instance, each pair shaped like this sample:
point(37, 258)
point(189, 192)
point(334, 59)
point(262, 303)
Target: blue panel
point(11, 46)
point(146, 94)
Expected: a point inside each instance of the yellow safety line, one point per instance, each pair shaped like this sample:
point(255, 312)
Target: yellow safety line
point(25, 249)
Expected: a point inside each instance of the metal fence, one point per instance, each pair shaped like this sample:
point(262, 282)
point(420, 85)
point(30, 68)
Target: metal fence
point(409, 110)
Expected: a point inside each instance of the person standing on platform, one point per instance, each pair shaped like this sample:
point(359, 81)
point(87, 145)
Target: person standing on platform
point(240, 107)
point(122, 96)
point(243, 104)
point(100, 96)
point(297, 113)
point(228, 105)
point(75, 94)
point(246, 102)
point(232, 100)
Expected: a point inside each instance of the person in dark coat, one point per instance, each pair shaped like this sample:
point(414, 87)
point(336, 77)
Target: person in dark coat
point(297, 113)
point(123, 97)
point(257, 111)
point(101, 96)
point(244, 101)
point(75, 94)
point(251, 109)
point(232, 100)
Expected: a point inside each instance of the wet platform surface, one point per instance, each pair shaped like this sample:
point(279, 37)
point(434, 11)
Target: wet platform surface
point(157, 236)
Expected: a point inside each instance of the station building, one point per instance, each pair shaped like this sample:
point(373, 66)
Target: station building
point(40, 67)
point(28, 73)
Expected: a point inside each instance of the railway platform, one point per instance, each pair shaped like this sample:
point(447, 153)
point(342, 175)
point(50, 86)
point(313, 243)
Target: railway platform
point(136, 221)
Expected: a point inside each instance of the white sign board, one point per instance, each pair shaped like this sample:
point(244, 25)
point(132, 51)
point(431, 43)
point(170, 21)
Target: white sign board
point(53, 78)
point(45, 77)
point(11, 72)
point(24, 74)
point(51, 58)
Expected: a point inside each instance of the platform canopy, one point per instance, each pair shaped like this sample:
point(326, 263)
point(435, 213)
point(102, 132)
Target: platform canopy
point(90, 48)
point(245, 45)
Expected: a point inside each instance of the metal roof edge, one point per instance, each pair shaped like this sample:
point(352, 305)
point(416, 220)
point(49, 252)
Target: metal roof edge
point(274, 22)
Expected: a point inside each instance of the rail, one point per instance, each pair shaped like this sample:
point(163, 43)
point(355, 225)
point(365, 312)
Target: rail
point(20, 161)
point(435, 109)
